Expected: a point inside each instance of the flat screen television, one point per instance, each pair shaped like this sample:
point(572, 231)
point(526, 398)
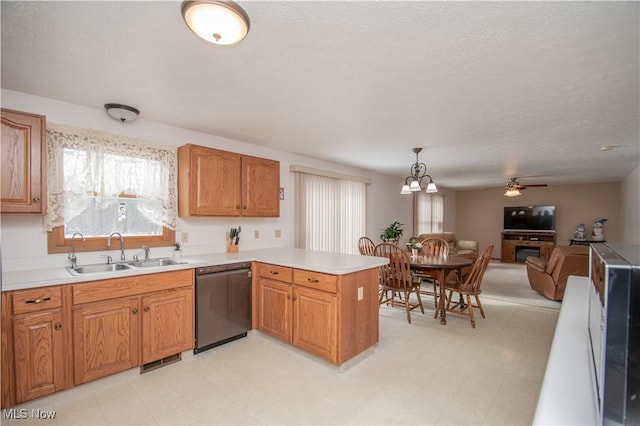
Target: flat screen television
point(530, 218)
point(614, 332)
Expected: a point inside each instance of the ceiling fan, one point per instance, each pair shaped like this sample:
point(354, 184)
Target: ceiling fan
point(513, 187)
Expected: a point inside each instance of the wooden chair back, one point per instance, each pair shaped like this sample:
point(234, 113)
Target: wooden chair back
point(473, 281)
point(366, 246)
point(397, 274)
point(435, 246)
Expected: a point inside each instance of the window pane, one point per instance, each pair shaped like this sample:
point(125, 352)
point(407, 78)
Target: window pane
point(104, 215)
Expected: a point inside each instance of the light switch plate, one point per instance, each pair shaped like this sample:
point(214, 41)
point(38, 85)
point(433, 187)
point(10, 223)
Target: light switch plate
point(360, 293)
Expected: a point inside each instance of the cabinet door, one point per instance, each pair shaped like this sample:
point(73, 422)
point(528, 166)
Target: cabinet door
point(106, 338)
point(275, 309)
point(508, 252)
point(209, 182)
point(261, 187)
point(39, 354)
point(167, 324)
point(315, 322)
point(23, 160)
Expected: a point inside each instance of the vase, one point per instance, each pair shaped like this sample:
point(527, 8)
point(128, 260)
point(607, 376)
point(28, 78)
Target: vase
point(414, 253)
point(177, 254)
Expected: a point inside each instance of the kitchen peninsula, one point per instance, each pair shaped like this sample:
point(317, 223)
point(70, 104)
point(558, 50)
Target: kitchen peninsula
point(322, 303)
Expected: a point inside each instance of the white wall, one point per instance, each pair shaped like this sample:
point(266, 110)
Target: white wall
point(24, 241)
point(630, 207)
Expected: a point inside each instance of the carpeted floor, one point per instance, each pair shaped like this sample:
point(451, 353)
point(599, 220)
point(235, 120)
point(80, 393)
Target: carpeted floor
point(508, 282)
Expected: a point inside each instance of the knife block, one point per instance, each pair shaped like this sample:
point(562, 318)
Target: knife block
point(231, 248)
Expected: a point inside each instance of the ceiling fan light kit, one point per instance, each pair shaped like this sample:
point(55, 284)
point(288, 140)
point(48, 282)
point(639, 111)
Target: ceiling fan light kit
point(513, 187)
point(413, 183)
point(216, 21)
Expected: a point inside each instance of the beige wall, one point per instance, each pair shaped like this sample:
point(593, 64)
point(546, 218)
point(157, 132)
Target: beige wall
point(630, 207)
point(479, 213)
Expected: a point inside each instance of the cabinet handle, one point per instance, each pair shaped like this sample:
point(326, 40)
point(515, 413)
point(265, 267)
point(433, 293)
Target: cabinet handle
point(58, 326)
point(313, 280)
point(146, 309)
point(274, 272)
point(44, 299)
point(36, 200)
point(135, 311)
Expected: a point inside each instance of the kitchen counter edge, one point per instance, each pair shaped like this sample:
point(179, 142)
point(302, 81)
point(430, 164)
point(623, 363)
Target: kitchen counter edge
point(329, 263)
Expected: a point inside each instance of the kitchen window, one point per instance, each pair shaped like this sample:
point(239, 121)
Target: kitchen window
point(101, 183)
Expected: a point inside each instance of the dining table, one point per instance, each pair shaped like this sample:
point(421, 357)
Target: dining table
point(442, 265)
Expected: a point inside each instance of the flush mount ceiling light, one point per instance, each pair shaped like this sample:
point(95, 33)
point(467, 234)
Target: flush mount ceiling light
point(122, 112)
point(216, 21)
point(413, 183)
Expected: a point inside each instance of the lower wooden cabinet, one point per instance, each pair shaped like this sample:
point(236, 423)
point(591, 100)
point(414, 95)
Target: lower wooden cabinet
point(115, 334)
point(39, 355)
point(332, 316)
point(58, 336)
point(167, 324)
point(105, 338)
point(35, 341)
point(315, 320)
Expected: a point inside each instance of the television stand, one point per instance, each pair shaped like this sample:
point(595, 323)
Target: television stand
point(518, 245)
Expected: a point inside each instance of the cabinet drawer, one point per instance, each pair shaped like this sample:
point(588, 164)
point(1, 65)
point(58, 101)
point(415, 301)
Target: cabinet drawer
point(274, 272)
point(37, 299)
point(315, 280)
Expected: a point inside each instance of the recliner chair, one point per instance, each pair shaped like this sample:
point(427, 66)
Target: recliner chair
point(549, 278)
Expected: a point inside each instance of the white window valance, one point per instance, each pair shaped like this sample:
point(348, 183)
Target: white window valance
point(84, 164)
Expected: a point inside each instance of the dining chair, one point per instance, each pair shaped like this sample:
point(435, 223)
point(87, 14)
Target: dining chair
point(433, 246)
point(396, 280)
point(366, 246)
point(469, 287)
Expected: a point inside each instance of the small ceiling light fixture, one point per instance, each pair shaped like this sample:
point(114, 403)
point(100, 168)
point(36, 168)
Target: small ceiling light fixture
point(122, 112)
point(413, 183)
point(216, 21)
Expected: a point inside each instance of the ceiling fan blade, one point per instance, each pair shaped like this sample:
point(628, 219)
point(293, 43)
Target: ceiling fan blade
point(534, 185)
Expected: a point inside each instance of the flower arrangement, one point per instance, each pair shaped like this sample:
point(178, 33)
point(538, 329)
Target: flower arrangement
point(414, 245)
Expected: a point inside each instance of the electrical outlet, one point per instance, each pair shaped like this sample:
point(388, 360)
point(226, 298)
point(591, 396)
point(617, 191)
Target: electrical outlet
point(278, 233)
point(185, 237)
point(256, 234)
point(360, 293)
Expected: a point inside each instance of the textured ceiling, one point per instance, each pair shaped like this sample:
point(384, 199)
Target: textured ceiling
point(489, 89)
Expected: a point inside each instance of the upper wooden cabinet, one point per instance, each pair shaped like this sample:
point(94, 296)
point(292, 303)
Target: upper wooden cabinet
point(23, 183)
point(220, 183)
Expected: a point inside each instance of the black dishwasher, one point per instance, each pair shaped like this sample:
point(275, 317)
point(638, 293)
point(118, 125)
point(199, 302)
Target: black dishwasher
point(223, 304)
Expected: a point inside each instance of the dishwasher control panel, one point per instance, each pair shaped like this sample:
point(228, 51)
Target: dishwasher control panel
point(222, 268)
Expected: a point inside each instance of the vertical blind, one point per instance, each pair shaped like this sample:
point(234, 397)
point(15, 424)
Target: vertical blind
point(429, 213)
point(330, 213)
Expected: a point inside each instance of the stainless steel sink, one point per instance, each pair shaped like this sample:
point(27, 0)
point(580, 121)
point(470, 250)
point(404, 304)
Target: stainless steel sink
point(121, 266)
point(151, 263)
point(98, 268)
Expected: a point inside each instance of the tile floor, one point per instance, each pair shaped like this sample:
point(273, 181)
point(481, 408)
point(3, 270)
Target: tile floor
point(419, 373)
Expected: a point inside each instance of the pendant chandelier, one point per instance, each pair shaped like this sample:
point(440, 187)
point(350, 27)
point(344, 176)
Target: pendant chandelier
point(413, 183)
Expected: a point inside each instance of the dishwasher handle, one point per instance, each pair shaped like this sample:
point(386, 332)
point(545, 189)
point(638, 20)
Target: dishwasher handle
point(224, 268)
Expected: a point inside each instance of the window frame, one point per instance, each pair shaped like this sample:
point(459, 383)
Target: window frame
point(57, 243)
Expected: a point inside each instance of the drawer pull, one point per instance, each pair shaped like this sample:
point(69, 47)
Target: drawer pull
point(135, 311)
point(58, 326)
point(313, 280)
point(274, 272)
point(44, 299)
point(146, 309)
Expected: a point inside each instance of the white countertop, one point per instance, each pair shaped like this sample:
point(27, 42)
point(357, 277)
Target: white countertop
point(567, 396)
point(329, 263)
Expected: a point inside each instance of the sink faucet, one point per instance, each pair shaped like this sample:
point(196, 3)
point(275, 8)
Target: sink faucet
point(122, 257)
point(146, 252)
point(72, 254)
